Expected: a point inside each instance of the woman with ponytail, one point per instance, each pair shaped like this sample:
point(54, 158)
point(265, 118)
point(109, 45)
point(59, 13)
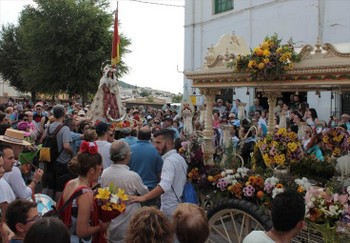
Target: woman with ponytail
point(81, 216)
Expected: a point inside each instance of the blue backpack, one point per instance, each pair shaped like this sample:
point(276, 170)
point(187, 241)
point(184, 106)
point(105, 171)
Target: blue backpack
point(189, 195)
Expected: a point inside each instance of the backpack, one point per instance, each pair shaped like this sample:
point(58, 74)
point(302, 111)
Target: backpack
point(189, 193)
point(49, 150)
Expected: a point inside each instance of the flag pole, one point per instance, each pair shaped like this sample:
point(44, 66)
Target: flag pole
point(115, 58)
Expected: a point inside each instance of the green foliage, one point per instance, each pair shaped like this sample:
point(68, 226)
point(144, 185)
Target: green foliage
point(149, 99)
point(9, 55)
point(144, 93)
point(177, 98)
point(312, 168)
point(59, 46)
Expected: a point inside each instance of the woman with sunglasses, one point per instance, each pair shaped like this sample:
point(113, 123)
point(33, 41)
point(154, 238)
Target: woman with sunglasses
point(81, 216)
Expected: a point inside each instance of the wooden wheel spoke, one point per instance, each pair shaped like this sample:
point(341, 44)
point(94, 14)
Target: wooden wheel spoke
point(231, 226)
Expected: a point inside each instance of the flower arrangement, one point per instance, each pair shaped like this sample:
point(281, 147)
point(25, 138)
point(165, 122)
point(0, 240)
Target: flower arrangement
point(111, 202)
point(243, 183)
point(191, 149)
point(335, 141)
point(267, 61)
point(324, 206)
point(277, 148)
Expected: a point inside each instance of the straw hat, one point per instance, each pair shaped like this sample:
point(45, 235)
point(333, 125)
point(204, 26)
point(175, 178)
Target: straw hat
point(14, 137)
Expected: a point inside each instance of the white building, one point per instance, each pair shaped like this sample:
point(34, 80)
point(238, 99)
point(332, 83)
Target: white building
point(303, 20)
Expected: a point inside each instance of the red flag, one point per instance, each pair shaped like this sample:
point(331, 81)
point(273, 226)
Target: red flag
point(116, 41)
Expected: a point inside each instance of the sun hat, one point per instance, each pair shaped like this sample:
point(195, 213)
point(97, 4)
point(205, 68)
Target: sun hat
point(14, 137)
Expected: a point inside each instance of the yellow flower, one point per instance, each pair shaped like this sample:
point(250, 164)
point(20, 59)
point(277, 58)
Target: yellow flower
point(281, 131)
point(266, 52)
point(279, 50)
point(251, 64)
point(300, 189)
point(103, 193)
point(336, 152)
point(265, 45)
point(279, 185)
point(121, 194)
point(266, 60)
point(119, 207)
point(292, 146)
point(261, 66)
point(259, 52)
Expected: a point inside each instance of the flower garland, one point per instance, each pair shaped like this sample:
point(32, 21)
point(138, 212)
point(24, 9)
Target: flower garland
point(268, 61)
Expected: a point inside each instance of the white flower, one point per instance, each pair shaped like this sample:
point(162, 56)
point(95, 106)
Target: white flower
point(271, 180)
point(114, 198)
point(234, 182)
point(277, 191)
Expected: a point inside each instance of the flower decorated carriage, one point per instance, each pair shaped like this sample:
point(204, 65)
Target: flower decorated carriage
point(237, 198)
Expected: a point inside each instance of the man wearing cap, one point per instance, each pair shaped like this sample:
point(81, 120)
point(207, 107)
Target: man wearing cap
point(57, 172)
point(145, 160)
point(102, 130)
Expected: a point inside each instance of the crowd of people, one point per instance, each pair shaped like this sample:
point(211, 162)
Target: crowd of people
point(141, 158)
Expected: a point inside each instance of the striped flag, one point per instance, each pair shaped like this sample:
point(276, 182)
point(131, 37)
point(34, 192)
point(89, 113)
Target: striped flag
point(116, 41)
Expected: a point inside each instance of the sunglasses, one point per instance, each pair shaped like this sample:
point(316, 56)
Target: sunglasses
point(36, 217)
point(156, 122)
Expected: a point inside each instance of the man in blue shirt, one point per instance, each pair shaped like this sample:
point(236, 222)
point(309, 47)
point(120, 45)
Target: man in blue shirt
point(145, 160)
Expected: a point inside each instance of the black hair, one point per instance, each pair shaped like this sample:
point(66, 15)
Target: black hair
point(58, 111)
point(288, 209)
point(17, 212)
point(47, 229)
point(168, 134)
point(4, 146)
point(144, 135)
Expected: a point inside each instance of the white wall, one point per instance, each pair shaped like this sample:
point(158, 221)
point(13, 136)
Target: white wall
point(303, 20)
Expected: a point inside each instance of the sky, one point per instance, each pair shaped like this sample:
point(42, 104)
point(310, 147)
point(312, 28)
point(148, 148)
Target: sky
point(157, 35)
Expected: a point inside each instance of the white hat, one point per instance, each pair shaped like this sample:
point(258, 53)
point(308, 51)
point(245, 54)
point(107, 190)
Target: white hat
point(14, 137)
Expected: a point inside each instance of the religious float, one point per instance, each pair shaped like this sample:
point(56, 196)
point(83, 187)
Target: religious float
point(237, 194)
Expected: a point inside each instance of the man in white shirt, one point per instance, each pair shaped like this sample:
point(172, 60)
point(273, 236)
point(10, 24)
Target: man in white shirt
point(173, 176)
point(119, 175)
point(102, 130)
point(287, 213)
point(13, 175)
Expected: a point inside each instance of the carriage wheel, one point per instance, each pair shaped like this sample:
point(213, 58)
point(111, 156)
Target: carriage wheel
point(231, 220)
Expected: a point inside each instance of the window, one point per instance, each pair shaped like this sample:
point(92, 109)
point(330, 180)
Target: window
point(222, 6)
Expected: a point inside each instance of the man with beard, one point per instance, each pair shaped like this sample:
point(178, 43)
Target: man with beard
point(173, 176)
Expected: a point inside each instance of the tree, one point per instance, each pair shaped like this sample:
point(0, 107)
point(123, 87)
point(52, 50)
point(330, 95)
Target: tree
point(61, 45)
point(177, 98)
point(9, 54)
point(145, 93)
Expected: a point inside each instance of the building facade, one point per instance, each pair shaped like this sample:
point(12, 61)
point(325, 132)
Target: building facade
point(305, 21)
